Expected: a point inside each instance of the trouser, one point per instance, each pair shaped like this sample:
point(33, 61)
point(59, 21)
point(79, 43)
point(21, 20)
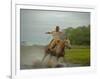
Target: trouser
point(53, 43)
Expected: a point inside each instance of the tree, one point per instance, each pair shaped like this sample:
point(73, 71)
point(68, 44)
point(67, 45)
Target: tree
point(79, 35)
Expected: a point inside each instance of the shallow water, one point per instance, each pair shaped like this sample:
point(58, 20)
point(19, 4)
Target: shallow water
point(31, 56)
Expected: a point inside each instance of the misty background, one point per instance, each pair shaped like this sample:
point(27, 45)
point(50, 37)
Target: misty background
point(34, 24)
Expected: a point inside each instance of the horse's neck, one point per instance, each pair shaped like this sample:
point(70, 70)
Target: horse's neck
point(61, 44)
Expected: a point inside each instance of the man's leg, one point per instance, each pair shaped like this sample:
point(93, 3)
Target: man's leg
point(52, 45)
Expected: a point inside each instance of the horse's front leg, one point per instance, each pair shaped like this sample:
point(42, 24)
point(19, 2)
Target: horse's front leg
point(46, 53)
point(49, 58)
point(60, 59)
point(44, 57)
point(63, 60)
point(49, 62)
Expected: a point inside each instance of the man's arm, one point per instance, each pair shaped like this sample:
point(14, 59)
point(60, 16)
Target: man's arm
point(48, 32)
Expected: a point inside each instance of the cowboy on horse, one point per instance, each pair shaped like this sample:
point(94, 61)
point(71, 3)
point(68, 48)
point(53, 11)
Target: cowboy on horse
point(57, 34)
point(57, 45)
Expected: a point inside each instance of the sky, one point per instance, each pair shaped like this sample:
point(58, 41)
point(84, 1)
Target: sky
point(34, 23)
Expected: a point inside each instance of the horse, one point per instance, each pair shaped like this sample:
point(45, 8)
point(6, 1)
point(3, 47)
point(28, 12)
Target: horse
point(58, 51)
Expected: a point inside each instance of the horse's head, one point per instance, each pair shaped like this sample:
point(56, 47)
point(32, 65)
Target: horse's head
point(67, 44)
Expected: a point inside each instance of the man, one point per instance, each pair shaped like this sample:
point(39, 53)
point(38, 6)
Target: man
point(57, 34)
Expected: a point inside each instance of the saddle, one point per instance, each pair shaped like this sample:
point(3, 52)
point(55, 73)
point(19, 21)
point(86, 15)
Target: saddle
point(53, 44)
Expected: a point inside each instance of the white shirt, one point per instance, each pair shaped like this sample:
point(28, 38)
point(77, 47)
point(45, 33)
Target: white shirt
point(56, 35)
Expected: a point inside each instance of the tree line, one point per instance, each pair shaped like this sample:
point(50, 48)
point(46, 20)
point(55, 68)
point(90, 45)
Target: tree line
point(79, 35)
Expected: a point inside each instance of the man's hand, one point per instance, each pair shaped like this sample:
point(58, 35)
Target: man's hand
point(48, 33)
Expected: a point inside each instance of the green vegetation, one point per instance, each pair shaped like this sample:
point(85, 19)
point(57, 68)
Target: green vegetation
point(79, 35)
point(80, 40)
point(78, 56)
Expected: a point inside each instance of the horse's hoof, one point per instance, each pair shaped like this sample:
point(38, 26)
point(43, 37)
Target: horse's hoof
point(59, 65)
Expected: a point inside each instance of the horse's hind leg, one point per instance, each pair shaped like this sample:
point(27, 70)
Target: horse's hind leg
point(57, 59)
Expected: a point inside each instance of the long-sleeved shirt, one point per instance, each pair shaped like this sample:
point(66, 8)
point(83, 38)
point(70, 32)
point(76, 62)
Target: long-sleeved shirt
point(56, 35)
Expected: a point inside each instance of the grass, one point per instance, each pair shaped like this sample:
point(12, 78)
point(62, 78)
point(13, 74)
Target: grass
point(78, 56)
